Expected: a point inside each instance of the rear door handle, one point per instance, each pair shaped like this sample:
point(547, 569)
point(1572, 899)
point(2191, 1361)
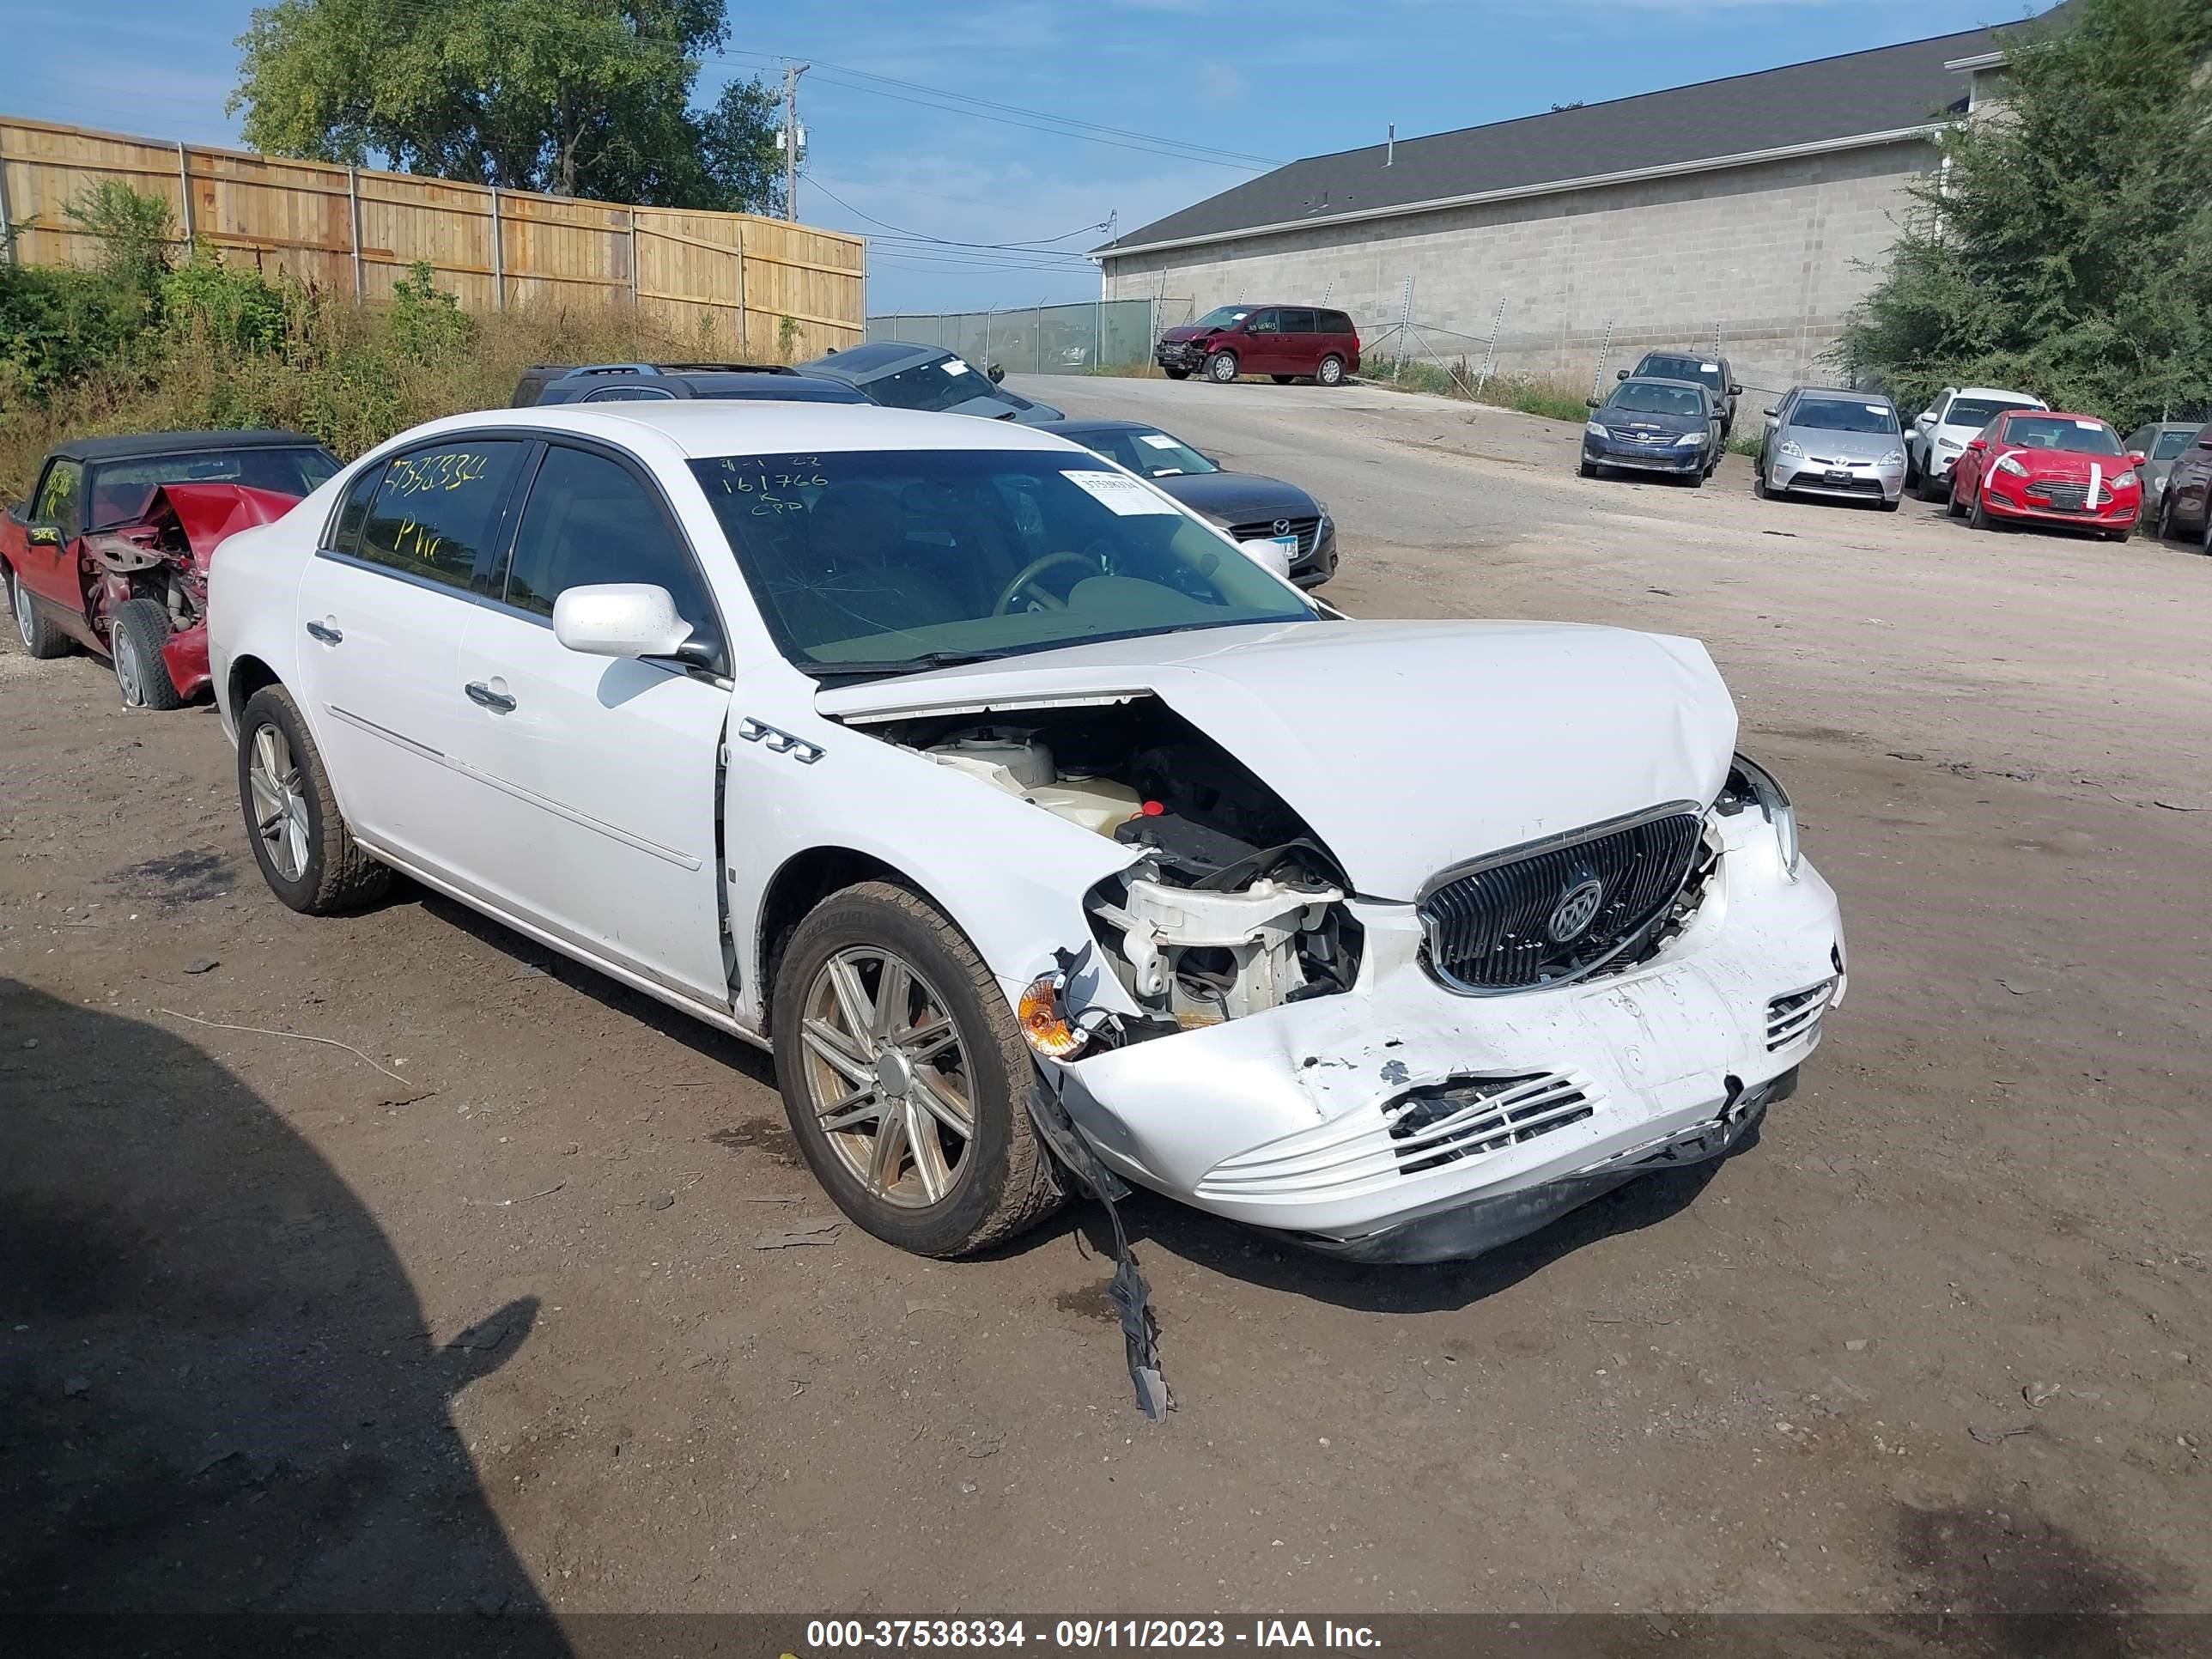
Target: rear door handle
point(483, 694)
point(326, 633)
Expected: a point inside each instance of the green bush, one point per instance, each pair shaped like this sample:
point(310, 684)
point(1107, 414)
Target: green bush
point(427, 323)
point(206, 303)
point(134, 230)
point(57, 326)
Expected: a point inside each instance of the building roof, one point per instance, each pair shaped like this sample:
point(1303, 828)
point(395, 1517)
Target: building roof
point(134, 444)
point(1859, 98)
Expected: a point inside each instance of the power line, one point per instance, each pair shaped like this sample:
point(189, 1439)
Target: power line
point(1034, 243)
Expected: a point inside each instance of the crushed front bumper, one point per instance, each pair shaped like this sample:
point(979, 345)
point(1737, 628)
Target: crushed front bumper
point(1296, 1119)
point(1184, 355)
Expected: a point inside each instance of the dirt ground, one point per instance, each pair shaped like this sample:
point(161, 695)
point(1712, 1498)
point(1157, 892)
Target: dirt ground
point(484, 1316)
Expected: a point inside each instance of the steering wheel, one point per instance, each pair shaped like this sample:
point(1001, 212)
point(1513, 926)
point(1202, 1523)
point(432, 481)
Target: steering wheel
point(1029, 574)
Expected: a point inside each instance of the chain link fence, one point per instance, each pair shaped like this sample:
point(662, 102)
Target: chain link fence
point(1069, 339)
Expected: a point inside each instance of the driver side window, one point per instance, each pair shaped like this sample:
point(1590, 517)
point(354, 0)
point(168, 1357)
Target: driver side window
point(589, 521)
point(61, 499)
point(1263, 322)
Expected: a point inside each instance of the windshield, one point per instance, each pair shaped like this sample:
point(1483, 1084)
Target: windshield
point(2170, 444)
point(1224, 317)
point(946, 384)
point(1650, 397)
point(1844, 415)
point(1703, 372)
point(1979, 412)
point(1151, 454)
point(887, 561)
point(2062, 432)
point(121, 489)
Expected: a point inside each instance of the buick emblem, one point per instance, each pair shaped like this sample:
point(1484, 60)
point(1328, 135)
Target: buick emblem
point(1575, 910)
point(1282, 526)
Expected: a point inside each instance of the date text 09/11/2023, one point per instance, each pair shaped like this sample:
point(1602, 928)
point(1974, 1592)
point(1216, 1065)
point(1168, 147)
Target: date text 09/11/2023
point(1084, 1635)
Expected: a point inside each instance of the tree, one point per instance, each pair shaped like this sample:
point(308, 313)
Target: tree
point(2065, 247)
point(576, 97)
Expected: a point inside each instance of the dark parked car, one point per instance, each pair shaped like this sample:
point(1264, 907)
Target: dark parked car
point(927, 378)
point(1249, 506)
point(1289, 343)
point(110, 552)
point(1654, 425)
point(1712, 372)
point(608, 383)
point(2186, 510)
point(2159, 444)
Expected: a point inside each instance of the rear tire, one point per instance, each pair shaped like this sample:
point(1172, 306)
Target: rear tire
point(1221, 367)
point(306, 853)
point(136, 635)
point(950, 1192)
point(40, 637)
point(1330, 371)
point(1177, 373)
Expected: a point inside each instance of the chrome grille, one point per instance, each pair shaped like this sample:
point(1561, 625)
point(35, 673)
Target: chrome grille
point(1306, 530)
point(1433, 1126)
point(1791, 1017)
point(1494, 927)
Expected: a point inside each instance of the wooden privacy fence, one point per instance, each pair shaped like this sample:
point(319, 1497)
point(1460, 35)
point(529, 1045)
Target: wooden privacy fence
point(727, 280)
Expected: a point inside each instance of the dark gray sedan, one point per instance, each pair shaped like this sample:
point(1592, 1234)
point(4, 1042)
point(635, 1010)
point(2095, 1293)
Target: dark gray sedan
point(1250, 507)
point(2158, 444)
point(929, 377)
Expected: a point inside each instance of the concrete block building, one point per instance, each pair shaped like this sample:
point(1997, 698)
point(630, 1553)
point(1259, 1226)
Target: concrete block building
point(1756, 209)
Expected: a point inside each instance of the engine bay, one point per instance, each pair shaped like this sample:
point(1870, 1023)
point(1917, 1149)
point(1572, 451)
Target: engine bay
point(1230, 904)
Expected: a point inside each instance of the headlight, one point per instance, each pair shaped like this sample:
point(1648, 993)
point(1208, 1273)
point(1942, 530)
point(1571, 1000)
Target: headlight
point(1948, 443)
point(2121, 481)
point(2012, 464)
point(1595, 430)
point(1895, 457)
point(1789, 449)
point(1748, 778)
point(1689, 438)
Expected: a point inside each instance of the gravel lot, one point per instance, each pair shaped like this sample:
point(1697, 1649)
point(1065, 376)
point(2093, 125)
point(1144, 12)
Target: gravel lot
point(482, 1317)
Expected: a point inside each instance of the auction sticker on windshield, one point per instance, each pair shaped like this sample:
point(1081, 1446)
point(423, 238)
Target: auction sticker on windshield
point(1125, 495)
point(1158, 440)
point(953, 366)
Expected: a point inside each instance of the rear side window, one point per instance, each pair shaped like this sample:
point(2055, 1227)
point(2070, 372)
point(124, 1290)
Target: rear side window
point(1333, 322)
point(437, 511)
point(346, 538)
point(1295, 321)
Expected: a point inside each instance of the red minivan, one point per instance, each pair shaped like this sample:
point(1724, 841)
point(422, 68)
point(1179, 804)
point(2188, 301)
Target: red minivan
point(1286, 342)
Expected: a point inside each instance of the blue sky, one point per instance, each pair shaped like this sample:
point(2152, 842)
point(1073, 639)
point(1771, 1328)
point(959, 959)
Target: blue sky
point(1176, 84)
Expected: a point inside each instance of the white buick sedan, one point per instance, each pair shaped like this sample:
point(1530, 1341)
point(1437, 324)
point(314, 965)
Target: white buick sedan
point(1049, 842)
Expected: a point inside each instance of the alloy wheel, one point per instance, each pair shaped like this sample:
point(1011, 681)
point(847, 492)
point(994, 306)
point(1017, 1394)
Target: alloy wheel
point(280, 801)
point(887, 1076)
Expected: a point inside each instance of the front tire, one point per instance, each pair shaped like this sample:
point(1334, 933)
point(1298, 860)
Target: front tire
point(1221, 367)
point(1979, 518)
point(306, 853)
point(136, 635)
point(2163, 531)
point(1587, 469)
point(1177, 373)
point(905, 1078)
point(39, 637)
point(1330, 371)
point(1931, 488)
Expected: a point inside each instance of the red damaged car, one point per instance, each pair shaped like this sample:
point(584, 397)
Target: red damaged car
point(110, 552)
point(2036, 466)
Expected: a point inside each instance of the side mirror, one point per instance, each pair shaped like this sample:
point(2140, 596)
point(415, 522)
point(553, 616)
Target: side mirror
point(1977, 444)
point(44, 535)
point(1620, 375)
point(1734, 391)
point(1594, 402)
point(1773, 413)
point(996, 373)
point(2137, 457)
point(620, 619)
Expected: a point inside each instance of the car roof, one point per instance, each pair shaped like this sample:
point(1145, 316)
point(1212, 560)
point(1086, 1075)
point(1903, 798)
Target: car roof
point(1845, 393)
point(704, 428)
point(1994, 391)
point(874, 357)
point(1685, 354)
point(712, 383)
point(1665, 380)
point(131, 446)
point(1067, 428)
point(2057, 414)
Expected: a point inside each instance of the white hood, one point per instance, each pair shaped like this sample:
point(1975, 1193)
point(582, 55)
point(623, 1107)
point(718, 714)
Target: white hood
point(1407, 746)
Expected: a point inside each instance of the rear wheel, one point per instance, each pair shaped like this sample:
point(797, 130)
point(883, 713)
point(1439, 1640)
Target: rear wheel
point(1221, 367)
point(136, 635)
point(1330, 371)
point(308, 857)
point(40, 637)
point(905, 1078)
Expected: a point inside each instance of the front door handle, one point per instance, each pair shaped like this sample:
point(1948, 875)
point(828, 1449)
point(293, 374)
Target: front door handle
point(484, 695)
point(325, 632)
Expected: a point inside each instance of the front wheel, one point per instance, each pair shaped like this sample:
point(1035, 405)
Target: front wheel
point(1587, 469)
point(306, 853)
point(1331, 371)
point(2163, 531)
point(1221, 367)
point(905, 1078)
point(1177, 373)
point(1979, 518)
point(136, 635)
point(1697, 480)
point(1932, 486)
point(40, 637)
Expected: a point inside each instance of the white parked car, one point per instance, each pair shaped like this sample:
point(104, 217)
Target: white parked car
point(1044, 837)
point(1940, 432)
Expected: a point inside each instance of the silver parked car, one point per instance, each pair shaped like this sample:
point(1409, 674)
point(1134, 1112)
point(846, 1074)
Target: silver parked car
point(2158, 444)
point(1823, 441)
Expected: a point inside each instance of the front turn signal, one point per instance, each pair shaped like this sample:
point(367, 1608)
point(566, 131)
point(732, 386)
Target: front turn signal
point(1044, 1017)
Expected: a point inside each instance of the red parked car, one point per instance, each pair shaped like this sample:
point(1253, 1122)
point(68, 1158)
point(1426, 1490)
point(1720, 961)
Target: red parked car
point(110, 552)
point(1286, 342)
point(2039, 466)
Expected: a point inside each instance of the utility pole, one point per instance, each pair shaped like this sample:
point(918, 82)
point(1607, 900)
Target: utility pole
point(791, 137)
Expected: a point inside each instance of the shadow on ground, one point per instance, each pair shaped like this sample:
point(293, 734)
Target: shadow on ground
point(222, 1398)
